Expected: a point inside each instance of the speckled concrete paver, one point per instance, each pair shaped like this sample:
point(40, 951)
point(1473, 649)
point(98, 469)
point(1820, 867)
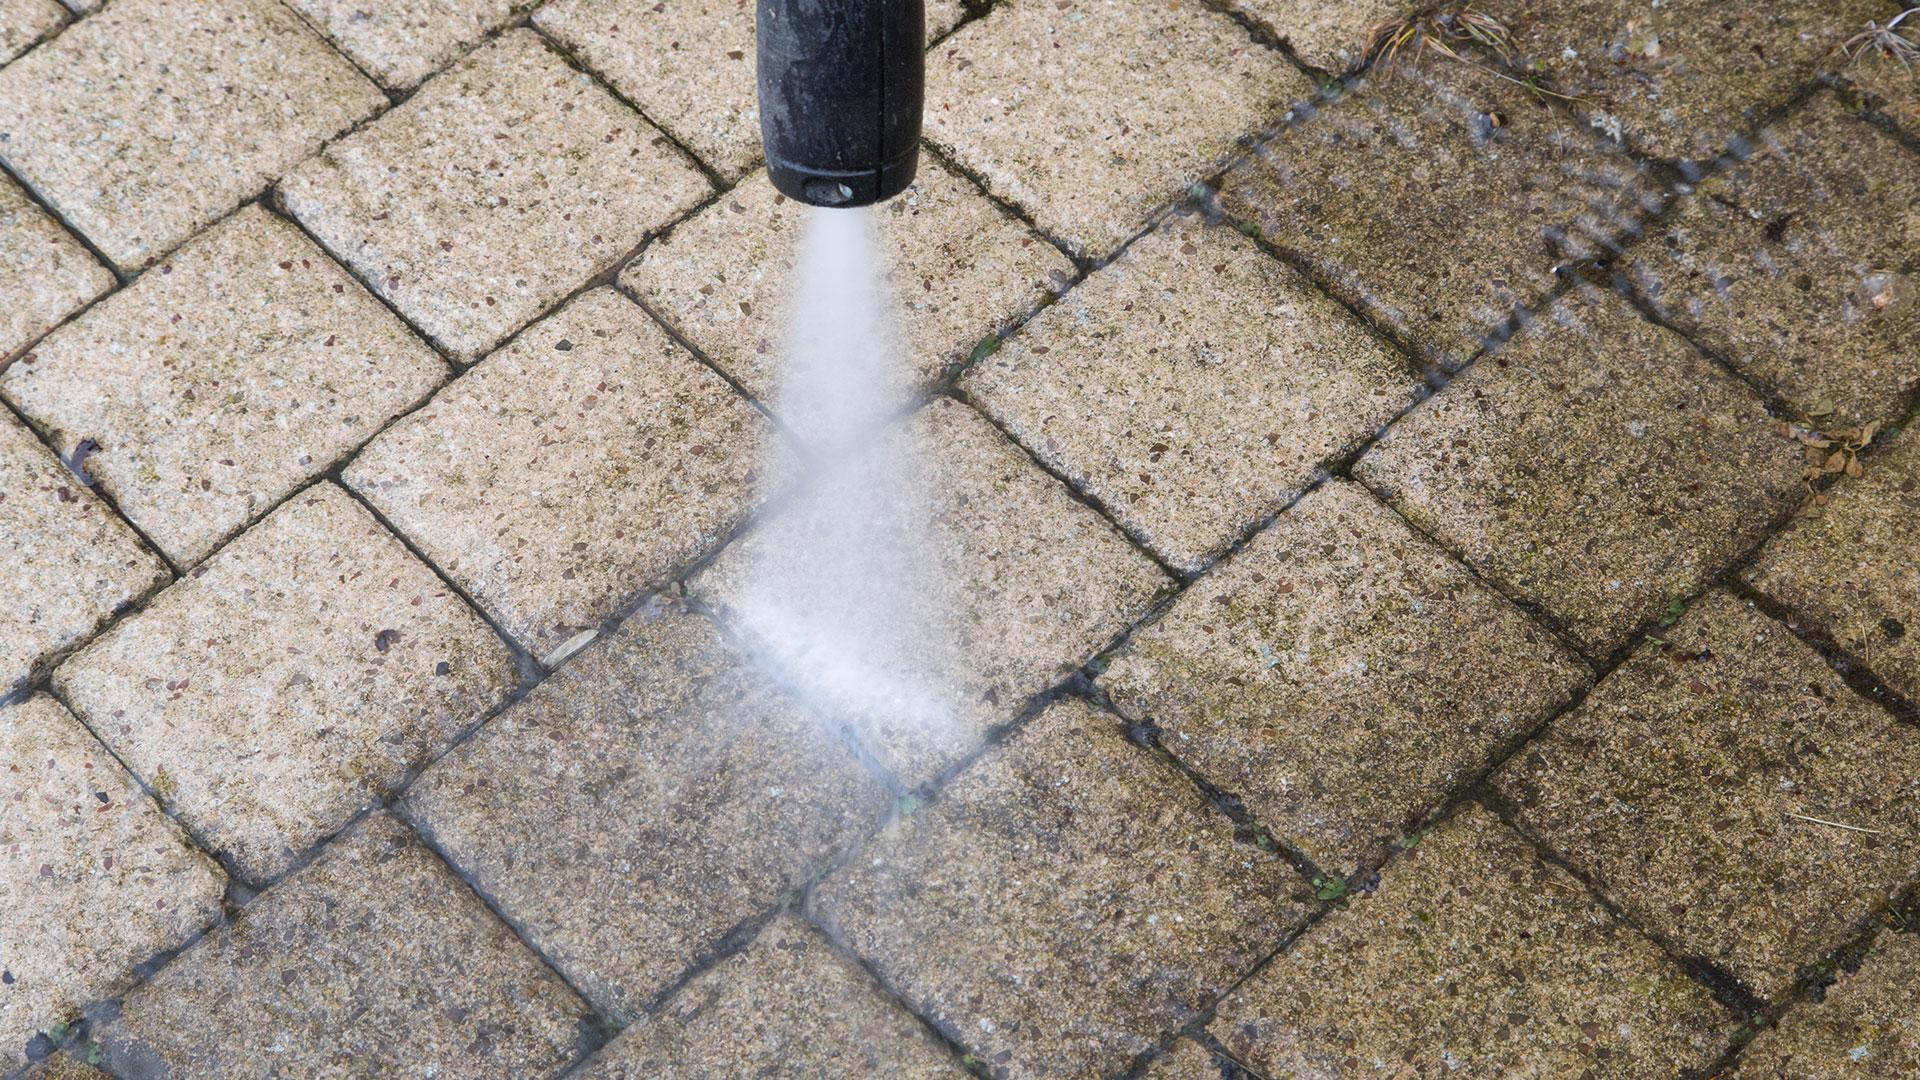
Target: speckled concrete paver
point(569, 471)
point(45, 274)
point(289, 680)
point(1884, 84)
point(64, 1066)
point(660, 774)
point(73, 562)
point(1866, 1026)
point(1495, 963)
point(1193, 386)
point(688, 64)
point(784, 1006)
point(1850, 566)
point(219, 383)
point(1064, 902)
point(1684, 783)
point(493, 193)
point(93, 878)
point(1336, 572)
point(1439, 200)
point(372, 961)
point(958, 268)
point(1188, 1060)
point(1028, 584)
point(24, 22)
point(1330, 36)
point(1598, 466)
point(1340, 676)
point(1091, 114)
point(1682, 79)
point(401, 42)
point(147, 123)
point(1798, 267)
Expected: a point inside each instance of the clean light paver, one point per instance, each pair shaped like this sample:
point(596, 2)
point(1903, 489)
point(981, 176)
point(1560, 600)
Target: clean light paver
point(660, 775)
point(1329, 35)
point(1675, 787)
point(1091, 114)
point(23, 22)
point(1866, 1026)
point(147, 123)
point(45, 274)
point(1025, 584)
point(1851, 568)
point(1064, 904)
point(578, 465)
point(1681, 78)
point(1193, 386)
point(374, 960)
point(1439, 200)
point(958, 269)
point(72, 563)
point(1342, 677)
point(1495, 963)
point(94, 879)
point(218, 384)
point(401, 42)
point(290, 680)
point(784, 1006)
point(493, 193)
point(688, 64)
point(1598, 466)
point(1796, 266)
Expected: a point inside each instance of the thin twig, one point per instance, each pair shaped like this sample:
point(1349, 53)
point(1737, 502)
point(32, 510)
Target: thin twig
point(1835, 824)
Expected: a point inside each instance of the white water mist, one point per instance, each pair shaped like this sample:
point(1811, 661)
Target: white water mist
point(833, 604)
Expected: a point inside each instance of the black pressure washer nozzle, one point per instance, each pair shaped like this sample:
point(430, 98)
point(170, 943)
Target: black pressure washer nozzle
point(840, 86)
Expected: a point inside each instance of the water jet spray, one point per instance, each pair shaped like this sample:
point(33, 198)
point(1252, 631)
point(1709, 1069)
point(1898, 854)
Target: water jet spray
point(840, 86)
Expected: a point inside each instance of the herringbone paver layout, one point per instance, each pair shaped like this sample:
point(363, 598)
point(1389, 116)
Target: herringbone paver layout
point(1399, 517)
point(149, 122)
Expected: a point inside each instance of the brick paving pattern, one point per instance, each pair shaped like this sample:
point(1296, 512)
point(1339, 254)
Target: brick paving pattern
point(1422, 548)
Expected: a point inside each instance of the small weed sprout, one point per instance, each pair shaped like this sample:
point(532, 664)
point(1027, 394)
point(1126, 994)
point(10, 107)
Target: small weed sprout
point(1443, 31)
point(1883, 41)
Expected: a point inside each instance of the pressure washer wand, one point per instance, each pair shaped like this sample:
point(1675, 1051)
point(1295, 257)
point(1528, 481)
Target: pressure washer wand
point(840, 97)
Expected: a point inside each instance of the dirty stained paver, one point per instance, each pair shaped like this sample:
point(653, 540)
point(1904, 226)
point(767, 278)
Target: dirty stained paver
point(1384, 622)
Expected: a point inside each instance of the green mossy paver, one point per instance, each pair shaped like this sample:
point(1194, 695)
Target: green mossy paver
point(1801, 266)
point(1730, 794)
point(1475, 957)
point(1851, 569)
point(1342, 677)
point(1438, 199)
point(786, 1005)
point(1597, 466)
point(373, 960)
point(1684, 79)
point(1867, 1025)
point(1063, 904)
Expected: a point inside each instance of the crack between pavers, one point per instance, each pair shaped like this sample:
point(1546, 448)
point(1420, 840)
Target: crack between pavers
point(1005, 730)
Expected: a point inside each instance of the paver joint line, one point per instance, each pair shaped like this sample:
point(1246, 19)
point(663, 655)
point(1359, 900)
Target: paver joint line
point(1870, 677)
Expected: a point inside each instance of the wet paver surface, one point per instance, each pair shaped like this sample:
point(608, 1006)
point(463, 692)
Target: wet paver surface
point(1416, 505)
